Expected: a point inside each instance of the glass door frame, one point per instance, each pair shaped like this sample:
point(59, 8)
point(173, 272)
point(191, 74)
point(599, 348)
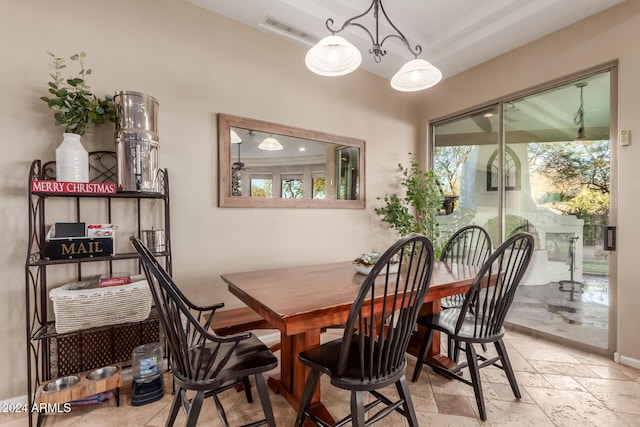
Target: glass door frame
point(612, 68)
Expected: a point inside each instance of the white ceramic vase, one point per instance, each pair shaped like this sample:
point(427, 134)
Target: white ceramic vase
point(72, 160)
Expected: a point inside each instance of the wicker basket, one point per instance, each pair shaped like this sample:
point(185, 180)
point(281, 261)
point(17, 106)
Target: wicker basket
point(80, 305)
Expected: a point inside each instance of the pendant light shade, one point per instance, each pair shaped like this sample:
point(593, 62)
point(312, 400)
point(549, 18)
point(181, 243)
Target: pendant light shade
point(270, 144)
point(235, 138)
point(333, 56)
point(415, 75)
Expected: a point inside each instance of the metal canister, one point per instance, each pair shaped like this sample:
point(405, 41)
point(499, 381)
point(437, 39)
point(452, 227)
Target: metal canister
point(136, 112)
point(137, 162)
point(136, 138)
point(154, 239)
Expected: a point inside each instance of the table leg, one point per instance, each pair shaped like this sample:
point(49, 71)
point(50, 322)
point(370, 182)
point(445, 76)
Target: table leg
point(433, 353)
point(293, 374)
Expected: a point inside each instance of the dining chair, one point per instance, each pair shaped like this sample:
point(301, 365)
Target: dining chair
point(203, 364)
point(470, 245)
point(490, 295)
point(371, 353)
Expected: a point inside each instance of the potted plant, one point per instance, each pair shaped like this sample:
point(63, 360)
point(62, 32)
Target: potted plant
point(75, 108)
point(416, 211)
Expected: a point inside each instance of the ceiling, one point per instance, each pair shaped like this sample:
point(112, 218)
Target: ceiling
point(455, 35)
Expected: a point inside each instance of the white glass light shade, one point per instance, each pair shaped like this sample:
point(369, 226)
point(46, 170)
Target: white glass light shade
point(415, 75)
point(270, 144)
point(235, 138)
point(333, 56)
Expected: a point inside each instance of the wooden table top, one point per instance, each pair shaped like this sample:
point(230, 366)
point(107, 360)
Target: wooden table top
point(297, 299)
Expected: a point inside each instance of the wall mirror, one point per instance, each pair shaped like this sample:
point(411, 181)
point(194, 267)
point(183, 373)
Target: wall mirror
point(269, 165)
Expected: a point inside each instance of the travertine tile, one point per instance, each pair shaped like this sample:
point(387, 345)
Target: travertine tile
point(543, 352)
point(582, 416)
point(566, 399)
point(612, 373)
point(444, 420)
point(563, 382)
point(560, 368)
point(516, 414)
point(630, 419)
point(453, 405)
point(504, 392)
point(619, 396)
point(519, 362)
point(497, 375)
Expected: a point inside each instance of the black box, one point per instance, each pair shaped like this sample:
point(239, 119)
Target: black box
point(79, 247)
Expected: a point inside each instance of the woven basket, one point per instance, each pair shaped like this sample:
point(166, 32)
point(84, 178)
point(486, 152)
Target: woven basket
point(78, 306)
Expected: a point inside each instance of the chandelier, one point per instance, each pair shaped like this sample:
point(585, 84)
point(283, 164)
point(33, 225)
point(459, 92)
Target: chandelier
point(335, 56)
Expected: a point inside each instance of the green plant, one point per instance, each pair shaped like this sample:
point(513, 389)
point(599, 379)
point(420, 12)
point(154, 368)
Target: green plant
point(417, 210)
point(74, 105)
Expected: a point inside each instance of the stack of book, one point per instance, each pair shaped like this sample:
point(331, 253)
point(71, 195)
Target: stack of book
point(114, 279)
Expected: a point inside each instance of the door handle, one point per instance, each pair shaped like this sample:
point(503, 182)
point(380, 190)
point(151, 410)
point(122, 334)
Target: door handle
point(610, 238)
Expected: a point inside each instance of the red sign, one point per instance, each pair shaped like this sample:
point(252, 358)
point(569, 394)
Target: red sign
point(40, 186)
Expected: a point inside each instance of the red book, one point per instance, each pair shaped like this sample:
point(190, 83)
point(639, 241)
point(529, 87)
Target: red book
point(114, 279)
point(44, 186)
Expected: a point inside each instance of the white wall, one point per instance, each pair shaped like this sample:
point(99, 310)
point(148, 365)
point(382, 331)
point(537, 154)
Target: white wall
point(608, 36)
point(196, 64)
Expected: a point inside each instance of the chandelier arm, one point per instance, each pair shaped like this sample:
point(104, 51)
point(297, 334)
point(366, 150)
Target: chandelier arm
point(417, 50)
point(348, 22)
point(373, 41)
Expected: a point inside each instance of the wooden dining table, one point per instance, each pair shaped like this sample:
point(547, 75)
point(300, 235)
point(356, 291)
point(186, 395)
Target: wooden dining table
point(302, 301)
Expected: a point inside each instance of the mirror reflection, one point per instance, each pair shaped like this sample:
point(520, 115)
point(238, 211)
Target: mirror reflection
point(268, 165)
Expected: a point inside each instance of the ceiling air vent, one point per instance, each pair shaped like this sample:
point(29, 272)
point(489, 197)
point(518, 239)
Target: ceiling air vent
point(288, 31)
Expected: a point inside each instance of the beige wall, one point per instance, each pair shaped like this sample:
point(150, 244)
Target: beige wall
point(196, 64)
point(609, 36)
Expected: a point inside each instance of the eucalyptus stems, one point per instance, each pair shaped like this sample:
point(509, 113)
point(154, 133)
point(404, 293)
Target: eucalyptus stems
point(74, 105)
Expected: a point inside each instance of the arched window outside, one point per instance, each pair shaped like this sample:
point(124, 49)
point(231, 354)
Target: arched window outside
point(513, 172)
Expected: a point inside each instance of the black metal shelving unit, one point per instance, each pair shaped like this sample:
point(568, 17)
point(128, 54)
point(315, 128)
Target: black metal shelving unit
point(89, 348)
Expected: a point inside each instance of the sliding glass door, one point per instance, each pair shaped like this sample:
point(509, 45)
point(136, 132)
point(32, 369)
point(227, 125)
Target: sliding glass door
point(542, 165)
point(462, 148)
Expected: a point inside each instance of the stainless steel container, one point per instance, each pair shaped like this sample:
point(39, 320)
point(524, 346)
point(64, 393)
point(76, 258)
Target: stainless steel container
point(154, 240)
point(136, 112)
point(137, 162)
point(136, 138)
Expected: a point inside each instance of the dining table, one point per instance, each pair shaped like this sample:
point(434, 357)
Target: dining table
point(302, 301)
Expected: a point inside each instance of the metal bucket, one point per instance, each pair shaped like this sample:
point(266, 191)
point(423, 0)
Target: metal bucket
point(137, 163)
point(154, 240)
point(136, 112)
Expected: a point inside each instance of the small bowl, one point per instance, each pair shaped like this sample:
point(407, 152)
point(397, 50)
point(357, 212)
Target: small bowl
point(102, 373)
point(61, 383)
point(362, 269)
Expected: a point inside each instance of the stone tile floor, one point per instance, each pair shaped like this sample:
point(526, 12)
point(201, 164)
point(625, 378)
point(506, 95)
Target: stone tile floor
point(560, 386)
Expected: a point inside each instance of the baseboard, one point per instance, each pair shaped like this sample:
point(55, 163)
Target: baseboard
point(625, 360)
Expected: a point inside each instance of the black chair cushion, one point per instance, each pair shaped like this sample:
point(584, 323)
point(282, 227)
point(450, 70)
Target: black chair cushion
point(446, 320)
point(325, 358)
point(250, 357)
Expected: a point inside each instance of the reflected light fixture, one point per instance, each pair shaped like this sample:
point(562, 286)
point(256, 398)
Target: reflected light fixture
point(335, 56)
point(235, 138)
point(270, 144)
point(578, 119)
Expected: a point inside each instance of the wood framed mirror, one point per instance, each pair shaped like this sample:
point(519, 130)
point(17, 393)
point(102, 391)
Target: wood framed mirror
point(268, 165)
